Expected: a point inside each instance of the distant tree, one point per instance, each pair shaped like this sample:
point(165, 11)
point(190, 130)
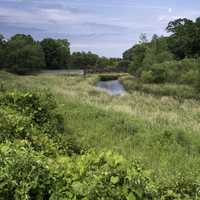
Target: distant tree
point(145, 54)
point(185, 38)
point(136, 56)
point(1, 39)
point(23, 39)
point(57, 53)
point(23, 54)
point(2, 51)
point(91, 59)
point(123, 65)
point(143, 38)
point(154, 37)
point(102, 62)
point(83, 60)
point(157, 52)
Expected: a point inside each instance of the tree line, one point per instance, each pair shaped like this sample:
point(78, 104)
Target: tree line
point(22, 54)
point(173, 58)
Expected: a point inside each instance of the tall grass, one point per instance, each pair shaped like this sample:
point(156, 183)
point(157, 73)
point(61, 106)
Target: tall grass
point(179, 91)
point(160, 131)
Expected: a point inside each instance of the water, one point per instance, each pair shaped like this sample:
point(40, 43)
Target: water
point(114, 87)
point(64, 72)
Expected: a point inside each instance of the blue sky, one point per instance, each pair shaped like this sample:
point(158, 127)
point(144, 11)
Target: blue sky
point(106, 27)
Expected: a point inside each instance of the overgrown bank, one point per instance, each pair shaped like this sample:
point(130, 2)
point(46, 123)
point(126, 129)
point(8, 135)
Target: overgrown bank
point(161, 134)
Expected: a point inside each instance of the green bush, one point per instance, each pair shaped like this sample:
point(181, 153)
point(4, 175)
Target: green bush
point(24, 173)
point(108, 77)
point(39, 108)
point(33, 116)
point(147, 76)
point(181, 72)
point(157, 74)
point(38, 162)
point(27, 174)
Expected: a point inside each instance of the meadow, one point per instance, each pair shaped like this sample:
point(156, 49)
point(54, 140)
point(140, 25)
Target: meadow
point(161, 132)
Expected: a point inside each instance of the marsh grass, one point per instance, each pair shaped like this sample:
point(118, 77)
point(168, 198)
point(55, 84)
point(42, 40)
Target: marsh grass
point(162, 132)
point(178, 91)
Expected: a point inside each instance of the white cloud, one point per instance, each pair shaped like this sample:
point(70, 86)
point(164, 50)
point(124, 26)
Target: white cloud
point(170, 10)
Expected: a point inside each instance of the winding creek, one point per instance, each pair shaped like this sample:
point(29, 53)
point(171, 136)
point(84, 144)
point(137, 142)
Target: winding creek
point(113, 87)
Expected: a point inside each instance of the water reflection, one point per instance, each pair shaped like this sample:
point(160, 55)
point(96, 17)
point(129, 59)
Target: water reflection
point(111, 87)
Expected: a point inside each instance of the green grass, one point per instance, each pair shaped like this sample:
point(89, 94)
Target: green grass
point(179, 91)
point(160, 131)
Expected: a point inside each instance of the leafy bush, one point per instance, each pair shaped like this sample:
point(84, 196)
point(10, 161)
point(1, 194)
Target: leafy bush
point(27, 174)
point(23, 54)
point(154, 75)
point(37, 160)
point(33, 116)
point(24, 173)
point(147, 76)
point(108, 77)
point(182, 72)
point(39, 108)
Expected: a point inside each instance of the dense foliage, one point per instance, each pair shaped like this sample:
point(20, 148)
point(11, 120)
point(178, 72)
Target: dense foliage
point(92, 62)
point(21, 54)
point(164, 59)
point(57, 53)
point(38, 161)
point(35, 161)
point(185, 39)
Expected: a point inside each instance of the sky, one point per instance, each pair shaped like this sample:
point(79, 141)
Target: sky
point(105, 27)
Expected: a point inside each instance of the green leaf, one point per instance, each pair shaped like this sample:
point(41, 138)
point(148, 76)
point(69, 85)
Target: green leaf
point(131, 196)
point(114, 179)
point(77, 187)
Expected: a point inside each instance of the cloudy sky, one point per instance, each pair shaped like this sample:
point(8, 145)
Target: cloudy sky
point(106, 27)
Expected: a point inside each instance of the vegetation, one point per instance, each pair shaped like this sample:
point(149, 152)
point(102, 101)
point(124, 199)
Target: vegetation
point(108, 77)
point(171, 59)
point(178, 91)
point(21, 54)
point(54, 157)
point(57, 53)
point(60, 138)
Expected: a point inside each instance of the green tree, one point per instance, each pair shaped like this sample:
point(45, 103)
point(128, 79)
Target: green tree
point(157, 52)
point(2, 49)
point(83, 60)
point(57, 53)
point(23, 54)
point(136, 56)
point(143, 38)
point(185, 38)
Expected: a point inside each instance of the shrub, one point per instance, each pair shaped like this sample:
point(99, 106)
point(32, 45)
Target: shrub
point(156, 74)
point(147, 76)
point(27, 174)
point(182, 72)
point(39, 108)
point(33, 116)
point(27, 59)
point(24, 173)
point(108, 77)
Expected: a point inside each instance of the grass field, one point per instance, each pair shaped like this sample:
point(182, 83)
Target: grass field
point(162, 132)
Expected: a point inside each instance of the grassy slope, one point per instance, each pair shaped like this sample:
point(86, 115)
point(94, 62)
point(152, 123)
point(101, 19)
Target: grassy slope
point(162, 132)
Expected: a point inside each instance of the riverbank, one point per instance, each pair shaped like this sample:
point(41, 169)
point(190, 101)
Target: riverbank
point(161, 132)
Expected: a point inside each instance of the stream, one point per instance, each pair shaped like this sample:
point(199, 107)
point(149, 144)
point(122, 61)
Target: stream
point(114, 87)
